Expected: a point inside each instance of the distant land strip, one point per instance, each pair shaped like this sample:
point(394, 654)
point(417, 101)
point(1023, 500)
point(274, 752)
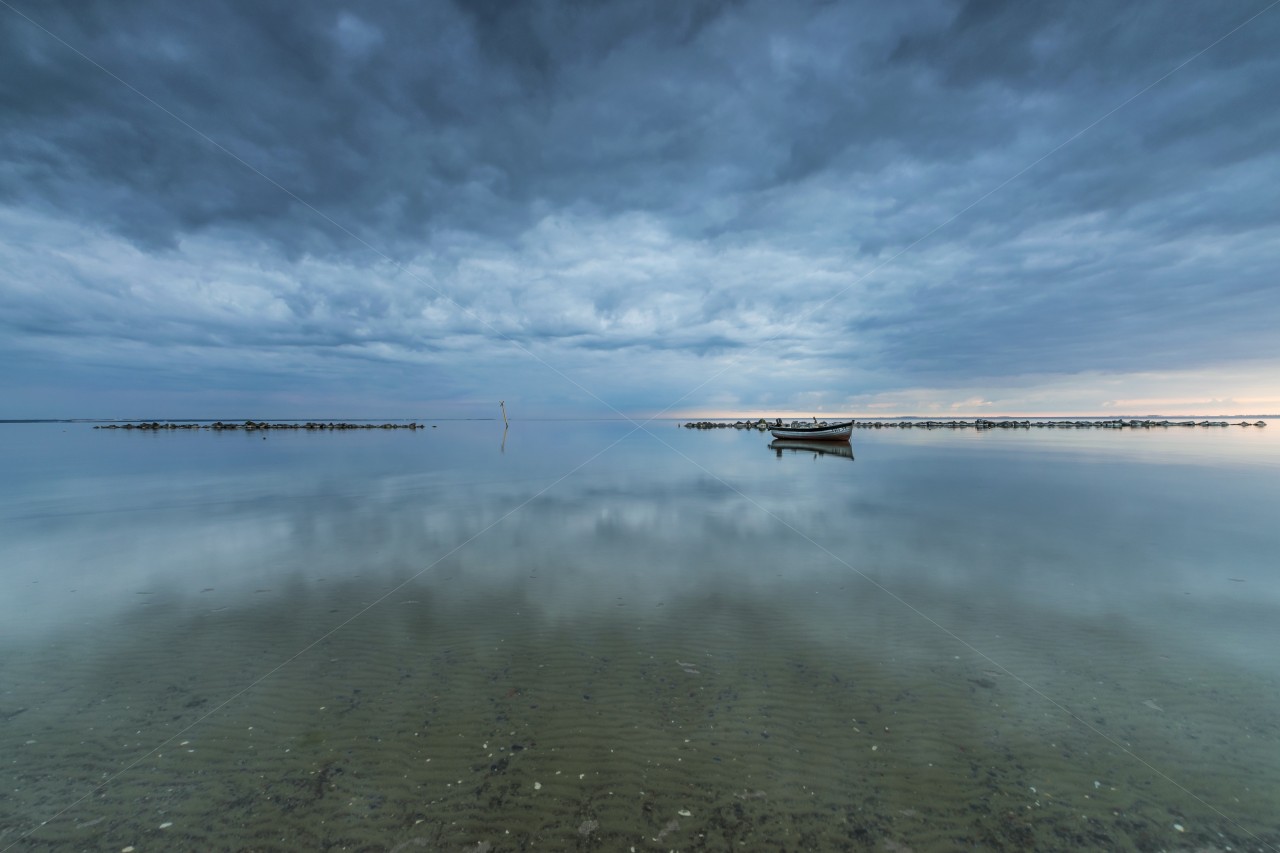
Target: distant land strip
point(978, 423)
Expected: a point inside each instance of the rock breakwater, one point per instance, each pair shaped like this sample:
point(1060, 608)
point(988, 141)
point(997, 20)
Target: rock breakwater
point(254, 426)
point(980, 423)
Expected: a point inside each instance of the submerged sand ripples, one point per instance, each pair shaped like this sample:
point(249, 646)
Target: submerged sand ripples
point(465, 724)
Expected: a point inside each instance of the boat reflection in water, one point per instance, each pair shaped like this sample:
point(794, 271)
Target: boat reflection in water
point(817, 448)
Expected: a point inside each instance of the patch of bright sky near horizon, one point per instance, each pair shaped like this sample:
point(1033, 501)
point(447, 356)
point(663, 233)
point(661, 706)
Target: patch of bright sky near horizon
point(638, 208)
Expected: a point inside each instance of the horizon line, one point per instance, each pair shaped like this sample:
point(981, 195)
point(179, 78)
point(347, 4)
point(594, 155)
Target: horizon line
point(683, 417)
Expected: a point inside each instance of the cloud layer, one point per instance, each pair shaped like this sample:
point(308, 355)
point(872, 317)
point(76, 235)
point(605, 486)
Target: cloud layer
point(405, 208)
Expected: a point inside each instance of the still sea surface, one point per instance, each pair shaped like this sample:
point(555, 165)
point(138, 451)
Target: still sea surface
point(581, 636)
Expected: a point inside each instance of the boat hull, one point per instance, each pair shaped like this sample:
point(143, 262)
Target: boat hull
point(834, 432)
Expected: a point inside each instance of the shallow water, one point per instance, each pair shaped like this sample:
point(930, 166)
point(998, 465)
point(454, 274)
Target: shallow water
point(592, 637)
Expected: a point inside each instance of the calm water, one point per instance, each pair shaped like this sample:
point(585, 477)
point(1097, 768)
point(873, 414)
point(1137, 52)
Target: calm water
point(594, 638)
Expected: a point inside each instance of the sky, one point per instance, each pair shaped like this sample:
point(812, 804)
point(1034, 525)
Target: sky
point(609, 209)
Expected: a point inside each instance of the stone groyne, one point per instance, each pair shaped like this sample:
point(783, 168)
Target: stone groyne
point(980, 423)
point(253, 426)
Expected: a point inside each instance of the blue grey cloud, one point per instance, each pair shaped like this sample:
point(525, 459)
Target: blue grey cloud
point(798, 204)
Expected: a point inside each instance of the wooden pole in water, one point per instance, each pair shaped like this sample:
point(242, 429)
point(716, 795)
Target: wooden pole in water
point(503, 405)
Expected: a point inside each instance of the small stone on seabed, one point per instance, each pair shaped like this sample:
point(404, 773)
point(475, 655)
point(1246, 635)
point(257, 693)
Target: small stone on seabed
point(537, 786)
point(1179, 827)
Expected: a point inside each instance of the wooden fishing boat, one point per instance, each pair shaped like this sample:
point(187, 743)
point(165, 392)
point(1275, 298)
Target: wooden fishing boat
point(816, 432)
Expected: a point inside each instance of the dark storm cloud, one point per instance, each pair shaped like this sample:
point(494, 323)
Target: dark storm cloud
point(391, 119)
point(396, 119)
point(645, 179)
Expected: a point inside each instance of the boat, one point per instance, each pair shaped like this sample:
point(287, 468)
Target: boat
point(837, 449)
point(817, 432)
